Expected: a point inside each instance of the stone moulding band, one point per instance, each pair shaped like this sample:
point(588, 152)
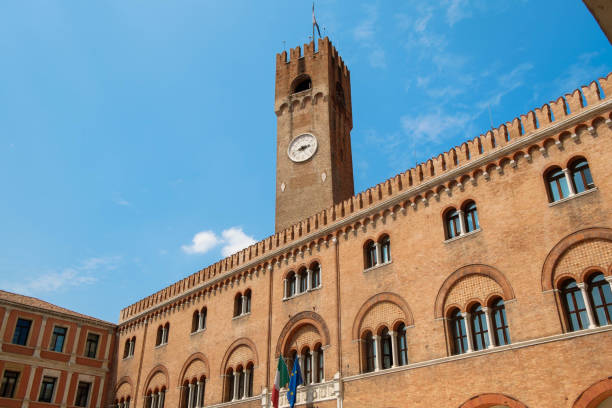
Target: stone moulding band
point(552, 128)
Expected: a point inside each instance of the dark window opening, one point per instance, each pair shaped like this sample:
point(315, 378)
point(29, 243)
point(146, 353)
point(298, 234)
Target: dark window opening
point(22, 329)
point(9, 383)
point(91, 346)
point(302, 84)
point(46, 389)
point(82, 394)
point(57, 339)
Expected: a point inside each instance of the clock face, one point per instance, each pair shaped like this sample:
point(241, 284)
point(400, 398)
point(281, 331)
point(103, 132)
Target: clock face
point(302, 147)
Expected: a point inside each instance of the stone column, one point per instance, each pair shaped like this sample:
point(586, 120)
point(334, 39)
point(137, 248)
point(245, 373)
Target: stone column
point(247, 374)
point(161, 396)
point(394, 348)
point(489, 327)
point(570, 185)
point(286, 288)
point(244, 304)
point(199, 394)
point(377, 348)
point(468, 331)
point(201, 321)
point(461, 222)
point(301, 362)
point(314, 365)
point(164, 335)
point(126, 404)
point(587, 305)
point(309, 277)
point(190, 398)
point(377, 254)
point(132, 345)
point(153, 400)
point(236, 381)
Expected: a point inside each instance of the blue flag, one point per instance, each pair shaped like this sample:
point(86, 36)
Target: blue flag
point(295, 379)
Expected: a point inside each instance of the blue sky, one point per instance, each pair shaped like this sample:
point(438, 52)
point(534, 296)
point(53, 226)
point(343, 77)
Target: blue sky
point(137, 138)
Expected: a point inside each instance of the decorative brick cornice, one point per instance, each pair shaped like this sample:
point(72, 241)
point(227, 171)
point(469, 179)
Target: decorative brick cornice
point(410, 189)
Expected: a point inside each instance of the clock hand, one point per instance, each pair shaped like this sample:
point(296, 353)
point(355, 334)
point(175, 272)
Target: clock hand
point(304, 147)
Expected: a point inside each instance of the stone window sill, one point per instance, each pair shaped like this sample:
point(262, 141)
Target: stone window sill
point(371, 268)
point(198, 331)
point(563, 200)
point(302, 293)
point(128, 357)
point(467, 234)
point(161, 345)
point(240, 316)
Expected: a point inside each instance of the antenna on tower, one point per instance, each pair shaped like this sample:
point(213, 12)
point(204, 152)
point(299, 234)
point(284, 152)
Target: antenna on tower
point(314, 24)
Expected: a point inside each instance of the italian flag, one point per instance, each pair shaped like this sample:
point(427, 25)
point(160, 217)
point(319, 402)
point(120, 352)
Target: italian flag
point(280, 380)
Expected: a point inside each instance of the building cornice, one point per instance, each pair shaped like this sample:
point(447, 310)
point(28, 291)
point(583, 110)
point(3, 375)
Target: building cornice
point(522, 142)
point(65, 316)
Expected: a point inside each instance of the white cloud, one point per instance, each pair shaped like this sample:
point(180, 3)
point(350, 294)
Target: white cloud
point(457, 10)
point(580, 73)
point(365, 34)
point(434, 127)
point(54, 281)
point(233, 239)
point(201, 243)
point(119, 200)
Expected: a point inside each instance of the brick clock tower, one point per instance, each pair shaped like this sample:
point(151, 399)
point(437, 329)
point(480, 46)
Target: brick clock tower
point(314, 167)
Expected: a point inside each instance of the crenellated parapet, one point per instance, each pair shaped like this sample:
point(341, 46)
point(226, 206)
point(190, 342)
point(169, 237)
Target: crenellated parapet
point(568, 119)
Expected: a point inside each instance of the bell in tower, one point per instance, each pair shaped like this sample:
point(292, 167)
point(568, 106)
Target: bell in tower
point(314, 168)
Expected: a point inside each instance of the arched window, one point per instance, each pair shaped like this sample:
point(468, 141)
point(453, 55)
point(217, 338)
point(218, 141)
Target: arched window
point(452, 225)
point(369, 351)
point(229, 385)
point(457, 330)
point(499, 322)
point(249, 383)
point(385, 249)
point(195, 321)
point(293, 356)
point(185, 395)
point(581, 175)
point(240, 378)
point(203, 318)
point(575, 310)
point(471, 216)
point(370, 254)
point(291, 284)
point(402, 345)
point(315, 275)
point(302, 83)
point(385, 347)
point(556, 184)
point(238, 304)
point(307, 374)
point(166, 333)
point(600, 297)
point(319, 363)
point(480, 332)
point(160, 335)
point(126, 349)
point(247, 299)
point(303, 280)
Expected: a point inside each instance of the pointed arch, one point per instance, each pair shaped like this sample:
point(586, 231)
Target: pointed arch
point(491, 400)
point(243, 341)
point(297, 321)
point(193, 358)
point(378, 298)
point(160, 368)
point(555, 255)
point(474, 269)
point(595, 394)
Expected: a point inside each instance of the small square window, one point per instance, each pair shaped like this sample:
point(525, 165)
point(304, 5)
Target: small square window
point(57, 339)
point(9, 384)
point(91, 346)
point(46, 389)
point(22, 329)
point(82, 394)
